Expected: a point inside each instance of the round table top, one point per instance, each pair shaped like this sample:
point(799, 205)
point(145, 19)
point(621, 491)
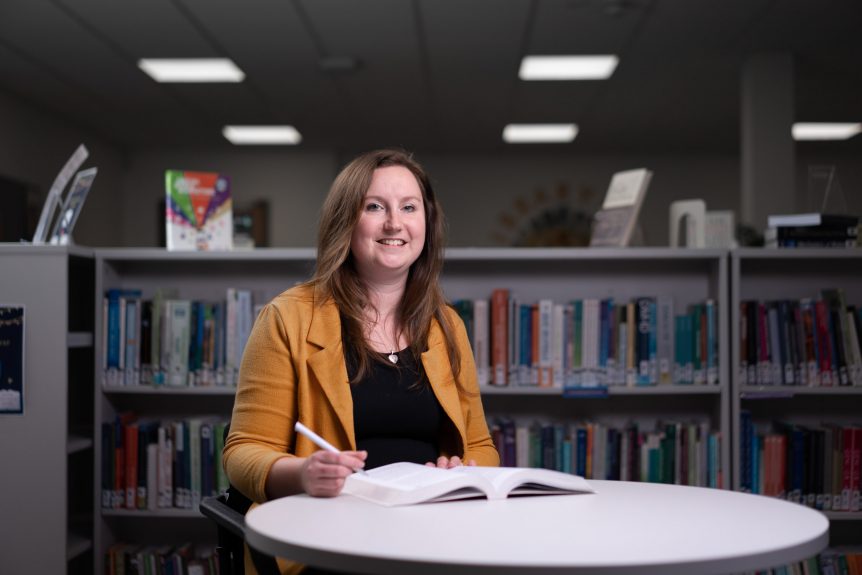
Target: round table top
point(624, 527)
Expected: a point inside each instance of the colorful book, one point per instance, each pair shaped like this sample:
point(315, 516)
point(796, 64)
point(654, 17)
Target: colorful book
point(198, 211)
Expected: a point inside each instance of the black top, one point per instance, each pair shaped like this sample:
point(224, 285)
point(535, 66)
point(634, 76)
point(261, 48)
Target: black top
point(395, 417)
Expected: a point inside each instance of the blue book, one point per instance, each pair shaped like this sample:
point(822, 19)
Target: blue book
point(581, 452)
point(113, 345)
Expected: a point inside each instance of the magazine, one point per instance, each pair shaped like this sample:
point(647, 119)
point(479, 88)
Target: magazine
point(410, 483)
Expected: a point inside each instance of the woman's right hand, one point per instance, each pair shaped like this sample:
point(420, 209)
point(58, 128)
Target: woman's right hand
point(323, 472)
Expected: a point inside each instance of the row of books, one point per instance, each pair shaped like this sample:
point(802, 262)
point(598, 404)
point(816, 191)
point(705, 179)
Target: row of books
point(149, 464)
point(185, 559)
point(171, 341)
point(591, 342)
point(812, 231)
point(830, 562)
point(819, 466)
point(673, 452)
point(814, 342)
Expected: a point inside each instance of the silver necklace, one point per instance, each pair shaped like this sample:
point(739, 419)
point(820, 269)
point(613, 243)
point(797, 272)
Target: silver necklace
point(393, 356)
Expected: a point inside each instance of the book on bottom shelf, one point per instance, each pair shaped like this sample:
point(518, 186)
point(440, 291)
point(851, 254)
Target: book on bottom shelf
point(406, 483)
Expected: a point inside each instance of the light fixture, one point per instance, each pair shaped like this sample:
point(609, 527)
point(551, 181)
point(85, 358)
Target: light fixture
point(539, 133)
point(191, 70)
point(250, 135)
point(825, 130)
point(567, 67)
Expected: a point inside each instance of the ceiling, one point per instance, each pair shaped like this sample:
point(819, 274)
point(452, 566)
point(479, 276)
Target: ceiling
point(433, 75)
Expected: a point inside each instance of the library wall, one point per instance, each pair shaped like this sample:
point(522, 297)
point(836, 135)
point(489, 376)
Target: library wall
point(478, 192)
point(293, 182)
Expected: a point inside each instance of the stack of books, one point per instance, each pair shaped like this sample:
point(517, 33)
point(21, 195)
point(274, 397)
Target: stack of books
point(812, 230)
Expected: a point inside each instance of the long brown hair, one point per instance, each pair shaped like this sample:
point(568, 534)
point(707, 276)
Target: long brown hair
point(336, 276)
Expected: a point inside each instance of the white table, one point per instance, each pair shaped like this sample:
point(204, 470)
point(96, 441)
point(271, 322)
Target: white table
point(625, 527)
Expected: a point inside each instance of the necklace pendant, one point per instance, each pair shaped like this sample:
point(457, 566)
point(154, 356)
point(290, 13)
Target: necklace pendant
point(393, 357)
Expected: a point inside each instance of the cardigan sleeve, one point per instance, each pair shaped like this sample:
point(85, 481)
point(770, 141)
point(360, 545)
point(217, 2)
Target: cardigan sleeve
point(479, 445)
point(264, 408)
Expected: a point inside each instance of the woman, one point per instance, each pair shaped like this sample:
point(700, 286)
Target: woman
point(367, 353)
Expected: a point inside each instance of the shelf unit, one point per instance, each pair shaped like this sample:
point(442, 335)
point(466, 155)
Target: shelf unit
point(192, 275)
point(771, 274)
point(46, 499)
point(561, 274)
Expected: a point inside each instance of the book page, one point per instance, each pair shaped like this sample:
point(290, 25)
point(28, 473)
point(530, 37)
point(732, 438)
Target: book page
point(408, 476)
point(517, 480)
point(409, 483)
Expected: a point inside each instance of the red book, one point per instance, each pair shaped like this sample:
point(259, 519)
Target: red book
point(130, 437)
point(846, 468)
point(855, 457)
point(499, 336)
point(824, 342)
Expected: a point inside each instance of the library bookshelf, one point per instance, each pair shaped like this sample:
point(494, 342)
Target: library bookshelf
point(559, 274)
point(794, 275)
point(46, 486)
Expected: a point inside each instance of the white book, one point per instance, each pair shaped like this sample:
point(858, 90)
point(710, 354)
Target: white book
point(179, 335)
point(406, 483)
point(482, 340)
point(665, 339)
point(165, 475)
point(590, 342)
point(546, 360)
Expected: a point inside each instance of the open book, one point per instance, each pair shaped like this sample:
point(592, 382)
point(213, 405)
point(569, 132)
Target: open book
point(408, 483)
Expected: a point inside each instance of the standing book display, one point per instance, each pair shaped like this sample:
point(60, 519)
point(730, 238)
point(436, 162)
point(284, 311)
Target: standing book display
point(54, 200)
point(614, 224)
point(198, 211)
point(72, 205)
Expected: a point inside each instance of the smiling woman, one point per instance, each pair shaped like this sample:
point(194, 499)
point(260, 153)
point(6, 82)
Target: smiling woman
point(367, 353)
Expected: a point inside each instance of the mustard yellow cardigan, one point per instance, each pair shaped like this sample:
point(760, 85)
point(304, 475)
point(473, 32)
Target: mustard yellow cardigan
point(293, 368)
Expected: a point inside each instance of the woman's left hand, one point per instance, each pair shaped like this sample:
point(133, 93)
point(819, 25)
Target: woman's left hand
point(444, 462)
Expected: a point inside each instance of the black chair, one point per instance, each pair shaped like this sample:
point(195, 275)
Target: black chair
point(228, 512)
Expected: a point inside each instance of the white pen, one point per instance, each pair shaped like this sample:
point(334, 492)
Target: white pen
point(319, 441)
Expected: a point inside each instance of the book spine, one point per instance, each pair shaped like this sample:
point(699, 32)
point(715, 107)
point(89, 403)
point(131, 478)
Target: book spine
point(665, 325)
point(499, 336)
point(545, 343)
point(481, 338)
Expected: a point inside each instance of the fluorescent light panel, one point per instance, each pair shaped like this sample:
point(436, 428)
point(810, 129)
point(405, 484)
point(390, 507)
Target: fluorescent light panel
point(825, 131)
point(191, 70)
point(247, 135)
point(567, 67)
point(539, 133)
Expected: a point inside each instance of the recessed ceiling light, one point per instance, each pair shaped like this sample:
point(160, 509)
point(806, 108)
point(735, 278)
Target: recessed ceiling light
point(567, 67)
point(243, 135)
point(539, 133)
point(191, 69)
point(825, 131)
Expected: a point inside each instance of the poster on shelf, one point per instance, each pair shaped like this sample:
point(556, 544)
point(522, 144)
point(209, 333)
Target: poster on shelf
point(11, 359)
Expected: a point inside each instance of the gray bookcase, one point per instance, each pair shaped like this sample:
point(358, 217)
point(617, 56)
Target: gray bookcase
point(688, 276)
point(774, 274)
point(47, 452)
